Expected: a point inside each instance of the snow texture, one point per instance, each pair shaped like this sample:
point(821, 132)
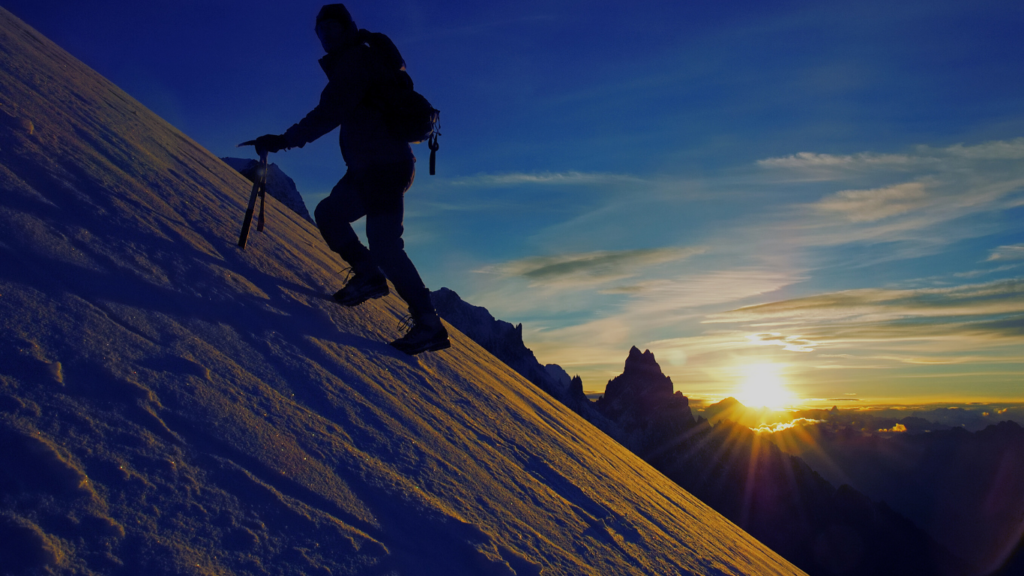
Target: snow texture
point(170, 404)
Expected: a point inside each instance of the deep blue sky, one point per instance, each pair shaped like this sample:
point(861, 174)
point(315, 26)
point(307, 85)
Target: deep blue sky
point(617, 174)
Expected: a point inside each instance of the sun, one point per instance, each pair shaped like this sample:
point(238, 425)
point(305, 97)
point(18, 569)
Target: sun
point(763, 385)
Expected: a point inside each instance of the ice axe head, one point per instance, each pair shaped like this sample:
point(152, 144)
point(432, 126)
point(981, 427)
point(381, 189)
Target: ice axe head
point(262, 153)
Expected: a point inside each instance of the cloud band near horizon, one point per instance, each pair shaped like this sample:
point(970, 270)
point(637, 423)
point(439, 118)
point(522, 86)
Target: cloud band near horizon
point(597, 267)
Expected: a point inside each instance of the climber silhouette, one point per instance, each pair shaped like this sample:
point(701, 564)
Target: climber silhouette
point(380, 169)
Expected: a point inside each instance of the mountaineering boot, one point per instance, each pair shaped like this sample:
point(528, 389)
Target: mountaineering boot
point(426, 335)
point(362, 287)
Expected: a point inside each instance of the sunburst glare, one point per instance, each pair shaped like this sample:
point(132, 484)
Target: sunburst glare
point(764, 385)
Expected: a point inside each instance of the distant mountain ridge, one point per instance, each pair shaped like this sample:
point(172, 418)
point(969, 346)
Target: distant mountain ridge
point(875, 420)
point(964, 487)
point(944, 478)
point(505, 341)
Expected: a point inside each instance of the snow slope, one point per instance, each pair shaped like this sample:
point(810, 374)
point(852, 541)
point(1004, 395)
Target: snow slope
point(170, 404)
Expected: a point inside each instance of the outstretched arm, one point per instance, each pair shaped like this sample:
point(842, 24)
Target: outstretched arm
point(346, 88)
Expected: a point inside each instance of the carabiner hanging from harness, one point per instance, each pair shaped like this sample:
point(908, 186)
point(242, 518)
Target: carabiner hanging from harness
point(434, 146)
point(432, 141)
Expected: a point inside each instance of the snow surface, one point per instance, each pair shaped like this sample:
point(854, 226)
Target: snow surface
point(170, 404)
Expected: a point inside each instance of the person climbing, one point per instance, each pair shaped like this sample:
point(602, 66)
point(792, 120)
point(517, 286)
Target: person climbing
point(380, 169)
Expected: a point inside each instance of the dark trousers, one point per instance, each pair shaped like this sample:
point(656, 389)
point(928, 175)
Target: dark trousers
point(376, 192)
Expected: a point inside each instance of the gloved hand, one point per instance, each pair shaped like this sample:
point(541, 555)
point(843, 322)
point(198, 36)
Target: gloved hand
point(271, 143)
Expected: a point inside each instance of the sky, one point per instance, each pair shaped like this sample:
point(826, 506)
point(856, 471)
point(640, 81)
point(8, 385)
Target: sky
point(815, 201)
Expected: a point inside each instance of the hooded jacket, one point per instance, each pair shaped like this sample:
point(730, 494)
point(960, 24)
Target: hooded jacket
point(345, 101)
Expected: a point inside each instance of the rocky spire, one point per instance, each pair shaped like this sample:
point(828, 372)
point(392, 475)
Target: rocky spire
point(641, 376)
point(643, 402)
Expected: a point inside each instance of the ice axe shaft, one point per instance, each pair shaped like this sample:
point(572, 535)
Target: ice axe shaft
point(259, 190)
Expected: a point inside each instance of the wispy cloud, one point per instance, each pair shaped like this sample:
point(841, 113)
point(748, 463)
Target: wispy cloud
point(1000, 297)
point(791, 343)
point(570, 178)
point(996, 270)
point(876, 204)
point(708, 288)
point(997, 150)
point(928, 326)
point(840, 166)
point(590, 268)
point(923, 199)
point(1011, 252)
point(810, 161)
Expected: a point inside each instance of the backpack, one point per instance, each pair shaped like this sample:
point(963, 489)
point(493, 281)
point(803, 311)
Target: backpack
point(408, 115)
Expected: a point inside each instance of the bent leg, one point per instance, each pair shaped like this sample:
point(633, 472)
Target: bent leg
point(384, 234)
point(334, 216)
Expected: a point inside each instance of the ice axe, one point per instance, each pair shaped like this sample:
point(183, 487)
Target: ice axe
point(259, 189)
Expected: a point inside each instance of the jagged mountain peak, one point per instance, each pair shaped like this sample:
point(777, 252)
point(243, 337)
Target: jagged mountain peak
point(641, 362)
point(641, 375)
